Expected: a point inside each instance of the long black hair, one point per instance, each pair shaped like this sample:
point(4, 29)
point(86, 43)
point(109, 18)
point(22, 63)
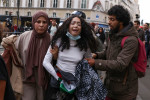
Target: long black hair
point(86, 41)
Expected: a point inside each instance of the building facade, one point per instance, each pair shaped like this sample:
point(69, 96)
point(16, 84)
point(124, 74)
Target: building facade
point(95, 10)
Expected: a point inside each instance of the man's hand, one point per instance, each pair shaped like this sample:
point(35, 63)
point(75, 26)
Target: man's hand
point(90, 61)
point(94, 55)
point(54, 52)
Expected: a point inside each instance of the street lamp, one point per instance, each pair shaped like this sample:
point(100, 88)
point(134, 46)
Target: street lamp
point(18, 5)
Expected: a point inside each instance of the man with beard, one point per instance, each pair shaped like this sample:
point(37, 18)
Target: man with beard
point(121, 78)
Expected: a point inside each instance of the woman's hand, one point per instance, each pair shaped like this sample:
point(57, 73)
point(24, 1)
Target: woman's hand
point(54, 52)
point(90, 61)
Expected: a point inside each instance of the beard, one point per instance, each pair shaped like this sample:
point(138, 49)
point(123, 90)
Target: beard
point(115, 30)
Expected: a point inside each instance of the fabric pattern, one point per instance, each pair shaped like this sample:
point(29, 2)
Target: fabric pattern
point(89, 85)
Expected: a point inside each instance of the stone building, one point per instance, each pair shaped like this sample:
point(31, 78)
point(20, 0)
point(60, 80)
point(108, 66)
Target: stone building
point(95, 10)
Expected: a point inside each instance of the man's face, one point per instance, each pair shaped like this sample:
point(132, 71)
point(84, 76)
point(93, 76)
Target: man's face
point(54, 22)
point(136, 25)
point(114, 24)
point(145, 26)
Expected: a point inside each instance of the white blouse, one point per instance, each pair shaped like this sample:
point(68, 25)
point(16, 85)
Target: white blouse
point(67, 60)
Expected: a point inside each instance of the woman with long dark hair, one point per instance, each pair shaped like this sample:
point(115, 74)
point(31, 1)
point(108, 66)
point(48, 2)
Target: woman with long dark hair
point(74, 40)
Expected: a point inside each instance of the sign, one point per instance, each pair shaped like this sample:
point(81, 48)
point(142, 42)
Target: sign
point(97, 16)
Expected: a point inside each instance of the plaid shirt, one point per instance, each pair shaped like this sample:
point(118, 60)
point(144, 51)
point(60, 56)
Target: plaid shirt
point(89, 85)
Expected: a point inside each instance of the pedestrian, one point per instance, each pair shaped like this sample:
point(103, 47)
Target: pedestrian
point(32, 47)
point(101, 34)
point(121, 78)
point(53, 28)
point(140, 31)
point(73, 40)
point(6, 92)
point(15, 28)
point(147, 39)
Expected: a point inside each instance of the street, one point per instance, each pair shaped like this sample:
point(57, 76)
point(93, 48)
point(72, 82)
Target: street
point(144, 84)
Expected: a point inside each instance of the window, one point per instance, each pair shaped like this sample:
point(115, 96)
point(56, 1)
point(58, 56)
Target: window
point(42, 3)
point(55, 4)
point(7, 3)
point(54, 14)
point(68, 3)
point(29, 14)
point(30, 3)
point(6, 12)
point(68, 15)
point(111, 5)
point(83, 4)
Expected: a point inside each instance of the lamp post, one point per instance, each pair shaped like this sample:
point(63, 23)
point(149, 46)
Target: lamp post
point(18, 5)
point(106, 5)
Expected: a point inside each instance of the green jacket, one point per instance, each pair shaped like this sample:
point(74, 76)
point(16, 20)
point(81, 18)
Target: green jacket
point(117, 62)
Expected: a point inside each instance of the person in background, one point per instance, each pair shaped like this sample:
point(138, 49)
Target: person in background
point(32, 47)
point(15, 28)
point(140, 31)
point(121, 78)
point(96, 27)
point(147, 39)
point(101, 34)
point(53, 28)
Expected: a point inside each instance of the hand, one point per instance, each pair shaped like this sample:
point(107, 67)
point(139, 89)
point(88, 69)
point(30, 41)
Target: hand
point(90, 61)
point(94, 55)
point(54, 52)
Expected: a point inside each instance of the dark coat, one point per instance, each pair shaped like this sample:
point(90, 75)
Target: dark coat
point(118, 62)
point(141, 35)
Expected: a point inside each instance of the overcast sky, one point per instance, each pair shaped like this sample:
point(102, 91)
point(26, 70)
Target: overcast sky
point(144, 10)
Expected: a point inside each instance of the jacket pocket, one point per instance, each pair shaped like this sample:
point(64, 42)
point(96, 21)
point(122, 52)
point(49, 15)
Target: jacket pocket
point(116, 86)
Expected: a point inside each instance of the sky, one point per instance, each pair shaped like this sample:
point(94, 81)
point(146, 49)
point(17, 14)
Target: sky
point(144, 10)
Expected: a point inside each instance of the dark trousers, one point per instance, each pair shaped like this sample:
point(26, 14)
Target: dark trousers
point(147, 50)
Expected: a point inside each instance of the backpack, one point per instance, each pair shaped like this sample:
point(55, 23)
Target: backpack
point(140, 65)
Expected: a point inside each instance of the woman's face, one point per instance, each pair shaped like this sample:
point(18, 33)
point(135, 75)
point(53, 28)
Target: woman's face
point(100, 30)
point(75, 26)
point(41, 25)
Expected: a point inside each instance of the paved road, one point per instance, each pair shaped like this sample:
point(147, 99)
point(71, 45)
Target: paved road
point(144, 86)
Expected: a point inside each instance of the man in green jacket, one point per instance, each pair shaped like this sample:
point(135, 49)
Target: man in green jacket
point(121, 78)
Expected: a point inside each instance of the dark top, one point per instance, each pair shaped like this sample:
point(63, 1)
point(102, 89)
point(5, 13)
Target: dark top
point(9, 95)
point(147, 36)
point(141, 34)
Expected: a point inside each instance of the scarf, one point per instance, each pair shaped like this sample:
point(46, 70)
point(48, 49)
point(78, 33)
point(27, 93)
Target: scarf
point(37, 49)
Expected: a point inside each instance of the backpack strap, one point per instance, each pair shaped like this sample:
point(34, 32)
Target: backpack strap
point(126, 74)
point(123, 41)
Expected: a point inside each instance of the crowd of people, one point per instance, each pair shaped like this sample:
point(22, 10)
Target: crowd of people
point(62, 62)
